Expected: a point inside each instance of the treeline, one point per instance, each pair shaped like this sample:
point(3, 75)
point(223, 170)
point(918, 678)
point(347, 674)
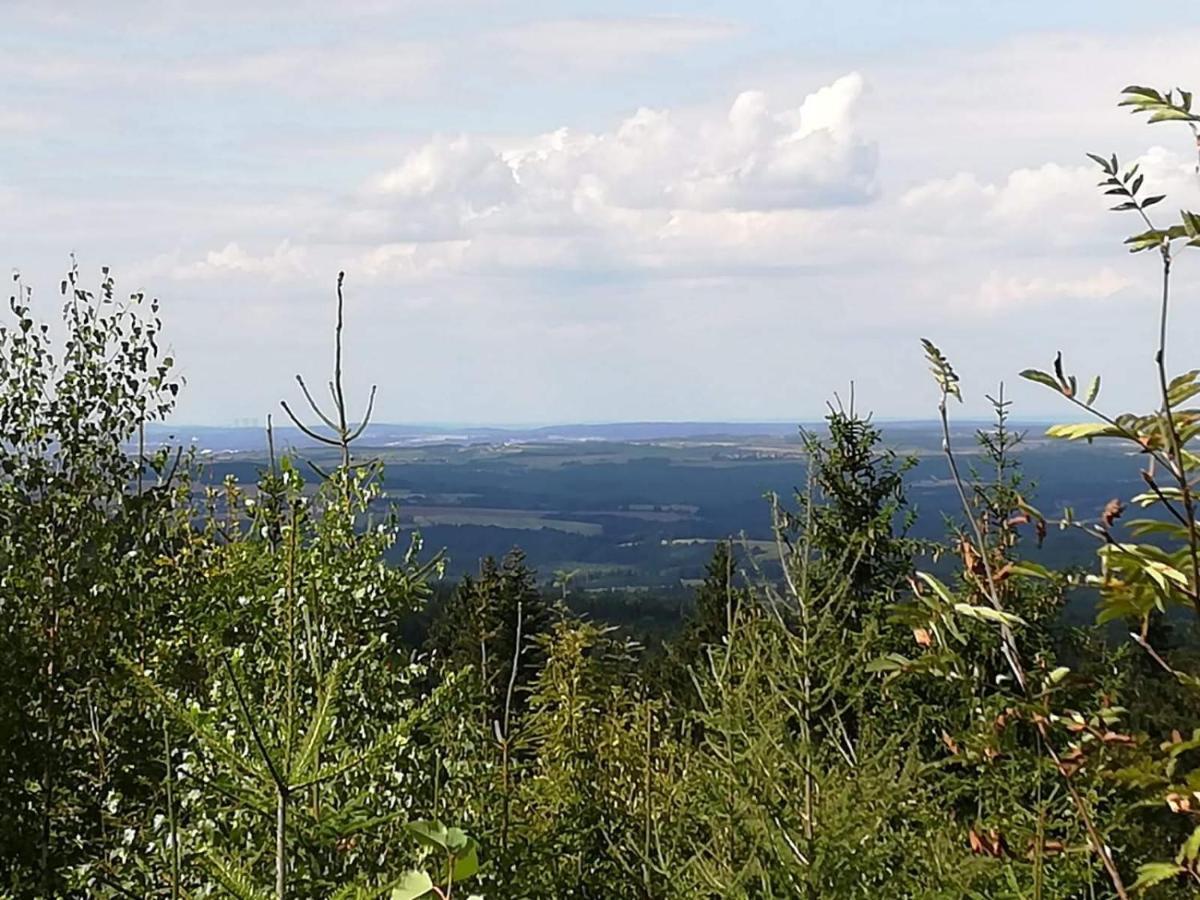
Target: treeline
point(250, 690)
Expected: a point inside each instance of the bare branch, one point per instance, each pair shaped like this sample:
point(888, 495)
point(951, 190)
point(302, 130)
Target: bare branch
point(304, 428)
point(313, 403)
point(366, 418)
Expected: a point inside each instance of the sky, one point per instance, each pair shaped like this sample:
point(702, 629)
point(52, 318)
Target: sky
point(589, 212)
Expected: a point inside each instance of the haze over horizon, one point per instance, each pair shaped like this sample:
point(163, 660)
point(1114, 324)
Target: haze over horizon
point(600, 214)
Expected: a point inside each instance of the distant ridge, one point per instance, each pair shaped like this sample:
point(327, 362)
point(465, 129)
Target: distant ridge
point(245, 438)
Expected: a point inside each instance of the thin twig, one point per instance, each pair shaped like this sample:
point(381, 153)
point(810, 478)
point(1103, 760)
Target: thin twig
point(1178, 467)
point(258, 741)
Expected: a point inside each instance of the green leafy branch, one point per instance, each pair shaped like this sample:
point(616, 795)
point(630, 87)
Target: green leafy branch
point(458, 856)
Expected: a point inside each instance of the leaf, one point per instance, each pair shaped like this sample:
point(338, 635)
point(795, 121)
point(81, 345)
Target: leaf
point(430, 832)
point(1140, 91)
point(943, 372)
point(1041, 378)
point(1143, 527)
point(1058, 674)
point(893, 662)
point(466, 862)
point(1154, 873)
point(1146, 240)
point(1190, 849)
point(1031, 570)
point(1191, 223)
point(319, 725)
point(1182, 380)
point(364, 890)
point(1189, 681)
point(1093, 391)
point(987, 614)
point(209, 738)
point(938, 588)
point(1171, 114)
point(413, 885)
point(1082, 431)
point(1183, 388)
point(232, 878)
point(1161, 573)
point(456, 839)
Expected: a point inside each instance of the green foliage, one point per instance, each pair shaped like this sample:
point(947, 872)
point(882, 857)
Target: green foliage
point(294, 611)
point(477, 627)
point(206, 692)
point(81, 541)
point(854, 518)
point(718, 599)
point(456, 859)
point(1116, 779)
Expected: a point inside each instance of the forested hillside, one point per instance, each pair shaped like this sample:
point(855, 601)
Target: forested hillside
point(265, 685)
point(645, 514)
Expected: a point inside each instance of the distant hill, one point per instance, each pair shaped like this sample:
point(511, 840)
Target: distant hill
point(639, 504)
point(242, 438)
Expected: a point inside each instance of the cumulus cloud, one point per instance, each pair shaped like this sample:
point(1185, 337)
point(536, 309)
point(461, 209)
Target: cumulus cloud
point(752, 157)
point(753, 188)
point(662, 187)
point(1048, 206)
point(1020, 199)
point(463, 170)
point(795, 234)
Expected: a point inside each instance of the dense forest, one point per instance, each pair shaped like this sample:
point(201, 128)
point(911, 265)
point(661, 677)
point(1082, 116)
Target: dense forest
point(268, 688)
point(644, 515)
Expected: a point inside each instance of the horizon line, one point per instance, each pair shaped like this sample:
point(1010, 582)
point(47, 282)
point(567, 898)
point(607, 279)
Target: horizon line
point(603, 423)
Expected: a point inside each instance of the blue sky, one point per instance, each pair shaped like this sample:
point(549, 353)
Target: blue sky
point(587, 212)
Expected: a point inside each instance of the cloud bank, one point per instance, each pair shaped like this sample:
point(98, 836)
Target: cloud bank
point(544, 219)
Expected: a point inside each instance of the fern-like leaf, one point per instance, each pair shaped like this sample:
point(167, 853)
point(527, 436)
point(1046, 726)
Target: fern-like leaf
point(943, 372)
point(233, 878)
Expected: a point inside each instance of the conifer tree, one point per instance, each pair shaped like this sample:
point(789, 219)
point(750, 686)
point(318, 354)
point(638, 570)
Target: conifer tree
point(478, 627)
point(718, 599)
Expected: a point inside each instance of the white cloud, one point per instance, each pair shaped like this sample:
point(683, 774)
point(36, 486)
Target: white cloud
point(1003, 293)
point(748, 158)
point(741, 256)
point(282, 263)
point(663, 189)
point(320, 71)
point(462, 169)
point(324, 70)
point(753, 189)
point(599, 44)
point(1048, 207)
point(334, 67)
point(408, 260)
point(1023, 198)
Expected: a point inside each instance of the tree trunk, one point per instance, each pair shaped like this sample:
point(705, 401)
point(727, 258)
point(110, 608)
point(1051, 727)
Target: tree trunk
point(281, 844)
